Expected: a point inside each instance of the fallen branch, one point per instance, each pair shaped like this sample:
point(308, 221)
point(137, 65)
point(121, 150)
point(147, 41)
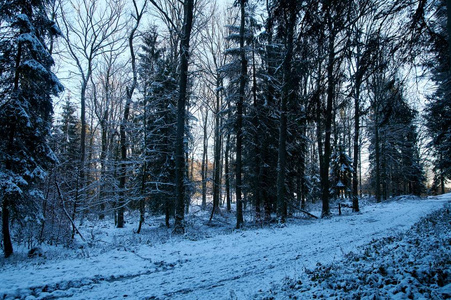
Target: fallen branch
point(66, 213)
point(303, 211)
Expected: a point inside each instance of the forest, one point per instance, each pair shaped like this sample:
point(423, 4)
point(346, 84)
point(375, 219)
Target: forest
point(257, 108)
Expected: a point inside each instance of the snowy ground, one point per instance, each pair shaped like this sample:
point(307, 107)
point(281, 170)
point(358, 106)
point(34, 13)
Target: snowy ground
point(273, 263)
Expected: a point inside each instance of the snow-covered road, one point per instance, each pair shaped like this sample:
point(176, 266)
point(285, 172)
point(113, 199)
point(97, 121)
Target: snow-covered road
point(223, 267)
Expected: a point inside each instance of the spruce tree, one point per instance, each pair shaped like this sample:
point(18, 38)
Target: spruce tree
point(159, 117)
point(438, 109)
point(27, 84)
point(395, 164)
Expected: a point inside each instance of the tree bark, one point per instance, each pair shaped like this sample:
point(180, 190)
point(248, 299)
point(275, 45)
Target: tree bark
point(239, 121)
point(355, 179)
point(227, 174)
point(204, 166)
point(179, 226)
point(7, 245)
point(123, 137)
point(328, 123)
point(218, 142)
point(123, 167)
point(378, 171)
point(287, 94)
point(257, 147)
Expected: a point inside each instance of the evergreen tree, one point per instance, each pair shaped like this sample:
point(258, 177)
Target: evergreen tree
point(340, 172)
point(286, 13)
point(396, 163)
point(159, 118)
point(63, 179)
point(438, 109)
point(27, 84)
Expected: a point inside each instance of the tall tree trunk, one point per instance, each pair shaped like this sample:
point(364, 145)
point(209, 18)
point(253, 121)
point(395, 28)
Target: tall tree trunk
point(448, 27)
point(142, 202)
point(104, 148)
point(130, 91)
point(103, 165)
point(267, 139)
point(179, 226)
point(281, 163)
point(239, 121)
point(355, 178)
point(256, 154)
point(123, 165)
point(217, 145)
point(204, 166)
point(328, 122)
point(82, 174)
point(287, 95)
point(301, 168)
point(7, 245)
point(378, 155)
point(227, 174)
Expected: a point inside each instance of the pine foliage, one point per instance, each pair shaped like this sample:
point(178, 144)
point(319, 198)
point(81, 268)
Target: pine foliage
point(27, 85)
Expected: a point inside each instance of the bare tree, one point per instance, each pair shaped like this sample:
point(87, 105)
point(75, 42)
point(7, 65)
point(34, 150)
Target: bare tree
point(89, 29)
point(212, 57)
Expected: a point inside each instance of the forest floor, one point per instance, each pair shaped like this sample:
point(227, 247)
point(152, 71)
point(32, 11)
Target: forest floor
point(396, 249)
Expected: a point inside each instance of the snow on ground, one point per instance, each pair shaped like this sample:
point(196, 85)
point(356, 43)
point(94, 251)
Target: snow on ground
point(242, 264)
point(415, 264)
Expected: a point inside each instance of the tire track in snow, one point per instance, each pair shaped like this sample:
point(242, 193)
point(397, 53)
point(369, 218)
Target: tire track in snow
point(238, 265)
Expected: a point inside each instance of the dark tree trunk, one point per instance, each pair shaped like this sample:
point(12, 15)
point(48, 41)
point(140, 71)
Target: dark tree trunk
point(355, 178)
point(227, 174)
point(7, 245)
point(301, 184)
point(142, 201)
point(256, 154)
point(103, 154)
point(179, 226)
point(81, 180)
point(102, 168)
point(239, 121)
point(448, 27)
point(281, 163)
point(267, 138)
point(123, 167)
point(324, 172)
point(130, 91)
point(287, 95)
point(204, 166)
point(377, 158)
point(217, 154)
